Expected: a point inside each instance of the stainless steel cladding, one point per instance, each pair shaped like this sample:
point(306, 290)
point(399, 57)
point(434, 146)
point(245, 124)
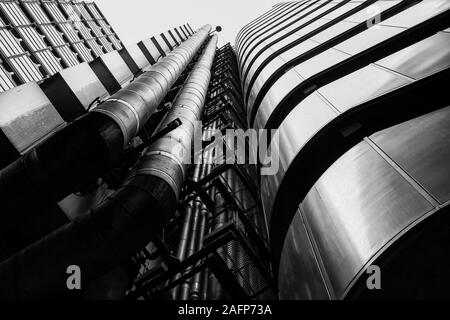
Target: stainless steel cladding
point(321, 75)
point(386, 196)
point(132, 106)
point(167, 158)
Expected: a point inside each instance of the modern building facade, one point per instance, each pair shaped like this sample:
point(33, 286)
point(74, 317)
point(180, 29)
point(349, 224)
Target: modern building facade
point(118, 178)
point(356, 92)
point(96, 175)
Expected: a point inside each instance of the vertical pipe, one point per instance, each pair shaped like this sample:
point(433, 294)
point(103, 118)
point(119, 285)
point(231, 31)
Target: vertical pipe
point(127, 221)
point(84, 149)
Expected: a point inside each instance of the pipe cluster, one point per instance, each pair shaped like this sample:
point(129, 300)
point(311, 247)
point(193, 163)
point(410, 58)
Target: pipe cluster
point(132, 106)
point(79, 153)
point(100, 240)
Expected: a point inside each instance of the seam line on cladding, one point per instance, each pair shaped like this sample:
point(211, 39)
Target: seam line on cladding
point(129, 106)
point(116, 119)
point(168, 155)
point(416, 185)
point(159, 173)
point(156, 79)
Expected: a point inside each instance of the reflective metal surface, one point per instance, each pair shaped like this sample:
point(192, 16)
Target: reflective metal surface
point(421, 59)
point(282, 26)
point(357, 206)
point(266, 22)
point(319, 38)
point(327, 103)
point(356, 44)
point(299, 127)
point(132, 106)
point(258, 20)
point(373, 193)
point(365, 203)
point(300, 277)
point(167, 157)
point(421, 148)
point(287, 33)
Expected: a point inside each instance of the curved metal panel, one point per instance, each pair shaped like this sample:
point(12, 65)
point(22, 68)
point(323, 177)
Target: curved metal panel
point(300, 277)
point(281, 44)
point(300, 126)
point(309, 44)
point(332, 30)
point(358, 205)
point(279, 13)
point(378, 193)
point(421, 148)
point(311, 14)
point(319, 67)
point(303, 122)
point(258, 20)
point(307, 12)
point(269, 23)
point(358, 44)
point(338, 100)
point(421, 59)
point(268, 72)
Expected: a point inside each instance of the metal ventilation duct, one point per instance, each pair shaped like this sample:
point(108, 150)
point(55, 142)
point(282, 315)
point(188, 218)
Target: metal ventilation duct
point(89, 145)
point(99, 241)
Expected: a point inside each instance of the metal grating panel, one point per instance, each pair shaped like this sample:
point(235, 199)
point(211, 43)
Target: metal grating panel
point(91, 7)
point(6, 81)
point(67, 28)
point(48, 29)
point(16, 57)
point(83, 30)
point(92, 24)
point(237, 260)
point(32, 39)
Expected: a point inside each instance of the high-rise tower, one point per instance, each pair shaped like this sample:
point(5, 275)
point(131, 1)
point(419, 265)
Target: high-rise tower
point(357, 93)
point(308, 161)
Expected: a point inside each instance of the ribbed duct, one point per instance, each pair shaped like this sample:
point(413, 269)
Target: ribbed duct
point(99, 241)
point(87, 147)
point(132, 106)
point(174, 149)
